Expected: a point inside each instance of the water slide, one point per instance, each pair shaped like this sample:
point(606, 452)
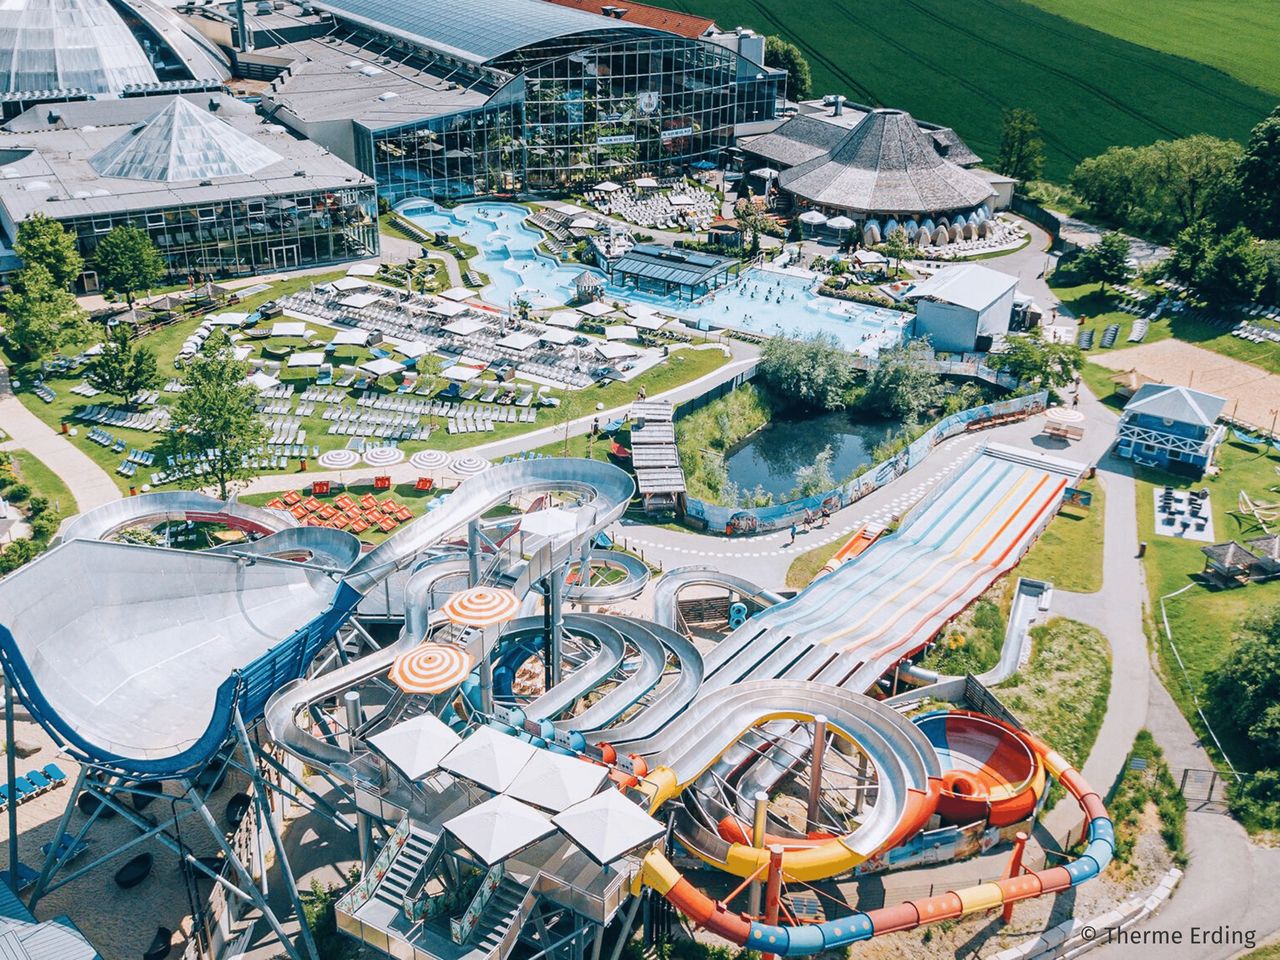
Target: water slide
point(634, 576)
point(862, 538)
point(137, 657)
point(793, 941)
point(988, 770)
point(150, 509)
point(672, 583)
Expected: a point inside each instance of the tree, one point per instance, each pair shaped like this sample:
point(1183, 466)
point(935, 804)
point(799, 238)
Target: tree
point(123, 369)
point(127, 261)
point(896, 246)
point(42, 316)
point(814, 478)
point(810, 374)
point(1037, 362)
point(43, 241)
point(903, 384)
point(215, 417)
point(1233, 271)
point(1107, 261)
point(1257, 176)
point(785, 55)
point(1244, 692)
point(1191, 247)
point(1021, 153)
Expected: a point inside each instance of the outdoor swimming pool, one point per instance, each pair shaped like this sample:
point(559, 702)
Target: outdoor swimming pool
point(763, 301)
point(507, 254)
point(772, 302)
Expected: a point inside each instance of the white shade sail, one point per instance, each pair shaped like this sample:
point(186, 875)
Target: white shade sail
point(309, 359)
point(457, 293)
point(499, 827)
point(349, 282)
point(623, 331)
point(382, 366)
point(417, 745)
point(289, 328)
point(518, 341)
point(557, 336)
point(554, 781)
point(354, 337)
point(465, 326)
point(597, 308)
point(491, 759)
point(608, 826)
point(567, 319)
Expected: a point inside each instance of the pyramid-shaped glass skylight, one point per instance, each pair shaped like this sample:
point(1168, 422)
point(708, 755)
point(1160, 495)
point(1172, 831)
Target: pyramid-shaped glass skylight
point(183, 142)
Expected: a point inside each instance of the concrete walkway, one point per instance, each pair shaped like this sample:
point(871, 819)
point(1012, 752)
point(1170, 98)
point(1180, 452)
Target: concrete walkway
point(88, 482)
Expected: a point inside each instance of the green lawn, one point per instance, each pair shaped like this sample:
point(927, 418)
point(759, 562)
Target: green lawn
point(1203, 621)
point(415, 500)
point(807, 566)
point(1069, 552)
point(1061, 693)
point(43, 482)
point(1238, 38)
point(962, 64)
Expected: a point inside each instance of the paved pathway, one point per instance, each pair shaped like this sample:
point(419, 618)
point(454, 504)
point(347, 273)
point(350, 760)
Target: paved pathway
point(88, 482)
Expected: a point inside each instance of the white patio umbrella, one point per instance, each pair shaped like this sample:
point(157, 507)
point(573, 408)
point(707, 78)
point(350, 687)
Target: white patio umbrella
point(499, 827)
point(489, 758)
point(813, 218)
point(607, 826)
point(554, 781)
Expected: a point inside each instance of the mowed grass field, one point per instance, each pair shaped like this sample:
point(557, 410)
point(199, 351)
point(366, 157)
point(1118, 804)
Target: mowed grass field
point(960, 64)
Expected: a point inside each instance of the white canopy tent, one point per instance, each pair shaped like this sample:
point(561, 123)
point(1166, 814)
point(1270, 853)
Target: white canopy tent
point(359, 301)
point(242, 353)
point(464, 326)
point(650, 321)
point(518, 341)
point(584, 223)
point(553, 781)
point(680, 200)
point(607, 826)
point(616, 350)
point(349, 283)
point(447, 308)
point(622, 331)
point(460, 372)
point(568, 319)
point(607, 187)
point(596, 308)
point(382, 366)
point(226, 319)
point(263, 381)
point(288, 328)
point(491, 759)
point(417, 745)
point(645, 183)
point(499, 827)
point(813, 218)
point(354, 337)
point(458, 294)
point(410, 348)
point(312, 358)
point(557, 336)
point(363, 270)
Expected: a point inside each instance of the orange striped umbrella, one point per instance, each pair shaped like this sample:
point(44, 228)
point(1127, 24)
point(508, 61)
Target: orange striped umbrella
point(431, 668)
point(481, 607)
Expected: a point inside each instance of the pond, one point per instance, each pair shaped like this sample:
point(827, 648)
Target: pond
point(769, 458)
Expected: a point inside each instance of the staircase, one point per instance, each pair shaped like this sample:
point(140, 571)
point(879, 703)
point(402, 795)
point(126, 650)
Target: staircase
point(404, 870)
point(500, 913)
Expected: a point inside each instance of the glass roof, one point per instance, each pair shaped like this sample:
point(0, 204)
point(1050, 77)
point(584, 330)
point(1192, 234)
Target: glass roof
point(180, 143)
point(474, 30)
point(64, 44)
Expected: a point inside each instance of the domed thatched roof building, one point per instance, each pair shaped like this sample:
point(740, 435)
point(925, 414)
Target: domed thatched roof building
point(881, 169)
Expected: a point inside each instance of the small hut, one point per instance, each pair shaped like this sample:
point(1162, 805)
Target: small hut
point(589, 286)
point(1228, 563)
point(1267, 551)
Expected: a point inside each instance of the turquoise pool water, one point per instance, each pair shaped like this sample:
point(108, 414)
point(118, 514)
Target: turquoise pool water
point(763, 300)
point(507, 254)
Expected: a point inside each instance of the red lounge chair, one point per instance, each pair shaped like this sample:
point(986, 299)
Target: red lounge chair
point(404, 514)
point(320, 488)
point(382, 483)
point(387, 524)
point(327, 512)
point(292, 497)
point(276, 504)
point(359, 526)
point(389, 506)
point(344, 502)
point(424, 483)
point(369, 501)
point(311, 504)
point(299, 512)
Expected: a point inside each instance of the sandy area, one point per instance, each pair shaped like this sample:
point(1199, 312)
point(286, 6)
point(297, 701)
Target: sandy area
point(1253, 394)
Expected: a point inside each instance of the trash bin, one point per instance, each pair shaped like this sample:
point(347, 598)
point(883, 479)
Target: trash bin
point(302, 465)
point(1142, 549)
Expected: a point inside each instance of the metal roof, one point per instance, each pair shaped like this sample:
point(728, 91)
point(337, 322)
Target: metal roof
point(970, 285)
point(473, 30)
point(672, 264)
point(1170, 402)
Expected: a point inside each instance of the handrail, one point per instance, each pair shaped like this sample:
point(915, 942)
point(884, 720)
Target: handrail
point(362, 892)
point(461, 928)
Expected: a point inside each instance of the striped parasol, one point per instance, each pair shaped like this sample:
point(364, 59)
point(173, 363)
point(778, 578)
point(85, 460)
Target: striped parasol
point(430, 668)
point(469, 465)
point(481, 607)
point(1064, 415)
point(383, 456)
point(429, 459)
point(339, 459)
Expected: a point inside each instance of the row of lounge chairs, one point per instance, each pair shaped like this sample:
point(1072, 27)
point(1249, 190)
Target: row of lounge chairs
point(145, 420)
point(32, 784)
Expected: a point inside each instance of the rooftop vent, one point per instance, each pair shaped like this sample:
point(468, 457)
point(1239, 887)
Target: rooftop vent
point(370, 70)
point(388, 95)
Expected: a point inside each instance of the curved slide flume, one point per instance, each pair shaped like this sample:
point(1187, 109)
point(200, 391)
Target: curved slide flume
point(669, 586)
point(909, 774)
point(717, 917)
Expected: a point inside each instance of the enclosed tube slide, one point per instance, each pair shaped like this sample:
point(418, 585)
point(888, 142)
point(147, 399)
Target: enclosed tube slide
point(658, 873)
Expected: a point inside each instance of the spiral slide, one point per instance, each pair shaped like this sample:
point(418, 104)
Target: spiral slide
point(988, 770)
point(794, 941)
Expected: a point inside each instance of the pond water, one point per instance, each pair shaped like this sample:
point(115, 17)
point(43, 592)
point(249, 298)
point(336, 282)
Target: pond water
point(769, 457)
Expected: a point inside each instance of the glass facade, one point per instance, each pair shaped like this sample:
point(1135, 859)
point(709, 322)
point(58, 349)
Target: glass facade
point(576, 114)
point(243, 237)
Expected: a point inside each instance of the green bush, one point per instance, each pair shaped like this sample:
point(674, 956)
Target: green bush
point(18, 493)
point(18, 553)
point(44, 526)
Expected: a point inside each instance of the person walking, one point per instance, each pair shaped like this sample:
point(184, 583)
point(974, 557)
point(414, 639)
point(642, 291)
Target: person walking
point(793, 535)
point(826, 517)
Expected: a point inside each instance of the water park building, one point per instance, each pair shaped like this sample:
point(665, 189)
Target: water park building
point(877, 168)
point(1171, 427)
point(672, 271)
point(220, 192)
point(445, 100)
